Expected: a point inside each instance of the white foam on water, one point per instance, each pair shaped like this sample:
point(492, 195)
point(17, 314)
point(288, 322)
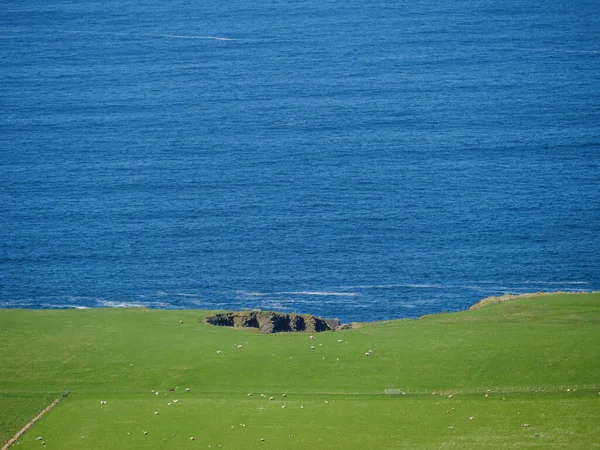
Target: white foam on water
point(298, 293)
point(552, 282)
point(126, 304)
point(191, 36)
point(117, 304)
point(409, 285)
point(559, 50)
point(170, 294)
point(479, 286)
point(117, 33)
point(320, 293)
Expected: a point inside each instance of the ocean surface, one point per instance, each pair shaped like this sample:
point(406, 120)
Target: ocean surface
point(359, 160)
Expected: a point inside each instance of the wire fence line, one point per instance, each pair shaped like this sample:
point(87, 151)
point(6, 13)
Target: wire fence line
point(495, 390)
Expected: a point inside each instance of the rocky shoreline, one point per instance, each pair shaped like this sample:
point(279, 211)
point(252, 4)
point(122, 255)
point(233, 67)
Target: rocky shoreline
point(275, 322)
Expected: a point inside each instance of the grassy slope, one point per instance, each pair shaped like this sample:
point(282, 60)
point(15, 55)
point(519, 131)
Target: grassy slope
point(120, 355)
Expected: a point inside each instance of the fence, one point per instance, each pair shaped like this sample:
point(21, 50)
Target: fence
point(495, 390)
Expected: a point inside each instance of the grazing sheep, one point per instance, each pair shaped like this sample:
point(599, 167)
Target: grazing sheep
point(526, 425)
point(283, 395)
point(156, 413)
point(249, 394)
point(175, 401)
point(367, 354)
point(181, 321)
point(312, 337)
point(270, 398)
point(312, 347)
point(471, 418)
point(191, 438)
point(188, 389)
point(340, 341)
point(283, 407)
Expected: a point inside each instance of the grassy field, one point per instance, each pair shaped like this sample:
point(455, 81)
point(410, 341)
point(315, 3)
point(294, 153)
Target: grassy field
point(537, 356)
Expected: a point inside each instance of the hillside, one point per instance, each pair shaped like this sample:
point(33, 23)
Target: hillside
point(469, 379)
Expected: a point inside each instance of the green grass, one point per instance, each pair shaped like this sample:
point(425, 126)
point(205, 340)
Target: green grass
point(16, 410)
point(120, 355)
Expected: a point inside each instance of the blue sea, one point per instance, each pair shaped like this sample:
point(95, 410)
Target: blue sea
point(358, 160)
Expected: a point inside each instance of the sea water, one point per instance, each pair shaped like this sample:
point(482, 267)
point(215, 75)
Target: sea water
point(359, 160)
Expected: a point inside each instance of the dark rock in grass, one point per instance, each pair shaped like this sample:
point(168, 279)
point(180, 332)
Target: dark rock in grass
point(221, 320)
point(273, 322)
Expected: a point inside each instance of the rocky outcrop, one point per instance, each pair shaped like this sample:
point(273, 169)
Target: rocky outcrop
point(273, 322)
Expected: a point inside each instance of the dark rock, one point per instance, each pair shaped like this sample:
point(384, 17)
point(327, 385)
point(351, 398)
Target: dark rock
point(273, 322)
point(221, 319)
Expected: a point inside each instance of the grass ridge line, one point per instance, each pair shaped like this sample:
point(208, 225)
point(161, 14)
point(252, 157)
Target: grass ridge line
point(26, 428)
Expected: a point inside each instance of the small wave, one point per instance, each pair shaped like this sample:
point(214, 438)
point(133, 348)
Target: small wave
point(61, 306)
point(315, 293)
point(117, 33)
point(127, 304)
point(479, 286)
point(553, 282)
point(320, 293)
point(191, 36)
point(408, 285)
point(171, 294)
point(559, 50)
point(117, 304)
